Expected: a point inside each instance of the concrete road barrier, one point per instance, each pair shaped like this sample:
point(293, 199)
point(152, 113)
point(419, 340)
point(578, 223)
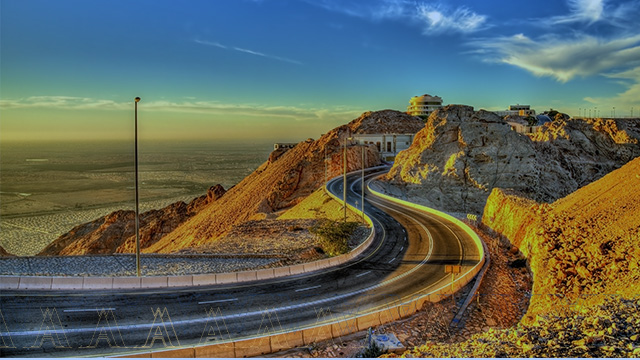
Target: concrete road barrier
point(154, 282)
point(204, 279)
point(10, 283)
point(67, 283)
point(317, 334)
point(252, 347)
point(126, 283)
point(186, 280)
point(35, 283)
point(286, 341)
point(97, 283)
point(226, 350)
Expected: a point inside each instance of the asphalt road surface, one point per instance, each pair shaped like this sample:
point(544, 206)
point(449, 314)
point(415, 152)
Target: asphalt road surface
point(406, 259)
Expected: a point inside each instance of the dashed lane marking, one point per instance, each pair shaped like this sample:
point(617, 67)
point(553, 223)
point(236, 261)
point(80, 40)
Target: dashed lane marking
point(309, 288)
point(216, 301)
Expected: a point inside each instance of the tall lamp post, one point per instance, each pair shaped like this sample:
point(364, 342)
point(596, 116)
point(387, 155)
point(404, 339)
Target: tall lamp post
point(362, 182)
point(137, 197)
point(344, 184)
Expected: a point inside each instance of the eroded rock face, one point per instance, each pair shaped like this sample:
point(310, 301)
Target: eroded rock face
point(582, 244)
point(462, 154)
point(115, 233)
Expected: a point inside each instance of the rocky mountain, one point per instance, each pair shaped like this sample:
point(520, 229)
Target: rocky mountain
point(285, 180)
point(462, 154)
point(115, 233)
point(580, 247)
point(583, 252)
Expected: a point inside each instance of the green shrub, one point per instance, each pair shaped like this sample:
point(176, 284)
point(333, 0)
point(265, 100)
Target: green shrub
point(334, 236)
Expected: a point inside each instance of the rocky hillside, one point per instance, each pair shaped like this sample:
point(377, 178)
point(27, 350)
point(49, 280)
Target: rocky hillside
point(115, 233)
point(583, 253)
point(462, 154)
point(580, 247)
point(284, 182)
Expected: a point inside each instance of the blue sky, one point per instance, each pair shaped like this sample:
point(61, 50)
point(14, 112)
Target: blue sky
point(289, 70)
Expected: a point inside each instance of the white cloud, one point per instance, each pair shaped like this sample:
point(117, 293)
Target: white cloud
point(434, 17)
point(438, 20)
point(626, 99)
point(298, 113)
point(61, 102)
point(560, 57)
point(588, 11)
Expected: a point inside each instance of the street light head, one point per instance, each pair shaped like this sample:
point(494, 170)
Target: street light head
point(137, 99)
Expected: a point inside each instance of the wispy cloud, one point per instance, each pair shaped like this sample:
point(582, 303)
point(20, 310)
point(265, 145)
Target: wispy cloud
point(247, 51)
point(628, 98)
point(438, 19)
point(434, 18)
point(61, 102)
point(210, 43)
point(560, 57)
point(588, 11)
point(267, 56)
point(298, 113)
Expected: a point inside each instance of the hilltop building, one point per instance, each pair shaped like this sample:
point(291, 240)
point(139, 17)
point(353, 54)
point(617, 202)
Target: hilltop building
point(519, 110)
point(424, 105)
point(529, 127)
point(389, 145)
point(287, 146)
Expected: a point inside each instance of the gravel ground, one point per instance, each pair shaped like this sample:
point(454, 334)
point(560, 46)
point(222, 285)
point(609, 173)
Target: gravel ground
point(124, 265)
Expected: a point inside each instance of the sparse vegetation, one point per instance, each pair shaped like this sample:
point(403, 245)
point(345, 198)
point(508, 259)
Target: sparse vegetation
point(334, 235)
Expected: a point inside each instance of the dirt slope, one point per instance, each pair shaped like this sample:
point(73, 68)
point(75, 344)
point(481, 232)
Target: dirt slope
point(583, 244)
point(285, 182)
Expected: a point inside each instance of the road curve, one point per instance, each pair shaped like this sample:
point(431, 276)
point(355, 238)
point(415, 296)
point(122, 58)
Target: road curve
point(405, 260)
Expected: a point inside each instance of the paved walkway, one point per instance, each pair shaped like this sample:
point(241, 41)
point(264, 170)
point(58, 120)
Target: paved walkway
point(125, 265)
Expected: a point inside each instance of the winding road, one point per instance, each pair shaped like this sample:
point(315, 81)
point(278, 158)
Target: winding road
point(406, 259)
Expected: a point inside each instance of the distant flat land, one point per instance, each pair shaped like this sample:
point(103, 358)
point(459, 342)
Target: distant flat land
point(48, 188)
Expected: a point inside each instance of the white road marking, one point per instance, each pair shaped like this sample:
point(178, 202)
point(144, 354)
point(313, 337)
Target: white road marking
point(216, 301)
point(363, 274)
point(309, 288)
point(88, 310)
point(402, 248)
point(390, 261)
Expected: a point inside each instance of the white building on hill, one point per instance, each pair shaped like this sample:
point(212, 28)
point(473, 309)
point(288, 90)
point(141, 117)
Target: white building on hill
point(389, 145)
point(519, 110)
point(424, 105)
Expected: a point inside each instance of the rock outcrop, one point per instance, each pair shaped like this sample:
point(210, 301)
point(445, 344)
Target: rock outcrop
point(580, 247)
point(286, 179)
point(583, 252)
point(462, 154)
point(115, 233)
